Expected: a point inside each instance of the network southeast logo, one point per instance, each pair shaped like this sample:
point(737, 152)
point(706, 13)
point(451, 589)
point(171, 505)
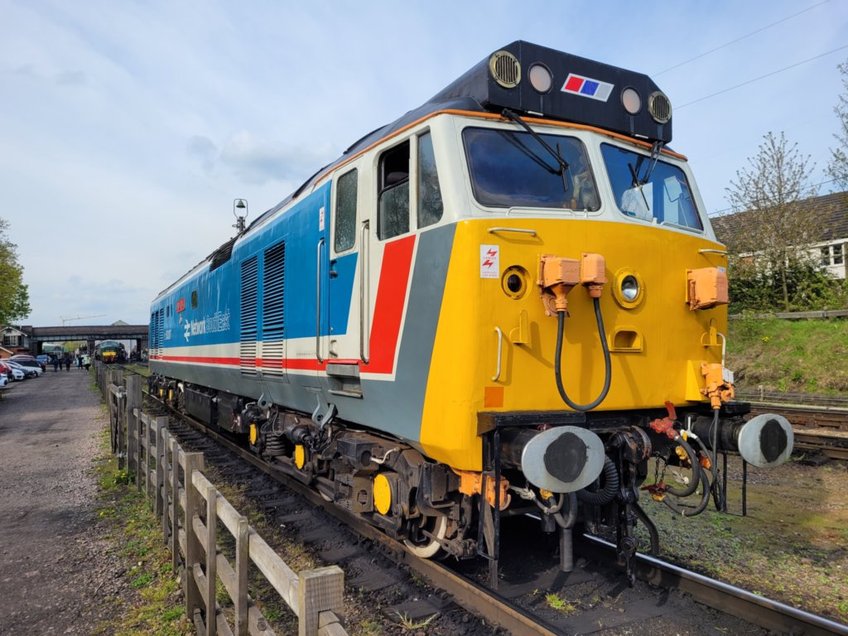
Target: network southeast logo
point(217, 322)
point(587, 87)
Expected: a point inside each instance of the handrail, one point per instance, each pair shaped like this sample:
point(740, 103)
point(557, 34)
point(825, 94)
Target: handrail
point(318, 303)
point(500, 348)
point(709, 250)
point(364, 295)
point(519, 230)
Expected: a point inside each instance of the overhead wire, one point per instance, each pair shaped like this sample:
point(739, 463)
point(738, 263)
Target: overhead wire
point(756, 79)
point(739, 39)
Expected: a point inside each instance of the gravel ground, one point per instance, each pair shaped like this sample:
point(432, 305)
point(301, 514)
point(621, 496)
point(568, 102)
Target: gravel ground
point(59, 573)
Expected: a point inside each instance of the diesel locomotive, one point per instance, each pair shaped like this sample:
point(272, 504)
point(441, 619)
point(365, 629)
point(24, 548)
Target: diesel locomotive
point(509, 300)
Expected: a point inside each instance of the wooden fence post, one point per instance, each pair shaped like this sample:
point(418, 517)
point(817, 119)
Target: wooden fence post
point(144, 446)
point(242, 559)
point(319, 590)
point(193, 461)
point(211, 559)
point(175, 499)
point(133, 402)
point(166, 484)
point(159, 461)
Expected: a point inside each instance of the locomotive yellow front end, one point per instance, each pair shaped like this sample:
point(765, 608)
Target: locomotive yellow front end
point(498, 334)
point(583, 323)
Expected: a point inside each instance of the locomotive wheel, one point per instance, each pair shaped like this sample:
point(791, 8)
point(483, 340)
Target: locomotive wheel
point(427, 548)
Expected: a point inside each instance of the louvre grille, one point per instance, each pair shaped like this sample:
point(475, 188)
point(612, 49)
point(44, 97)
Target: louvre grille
point(160, 330)
point(659, 107)
point(154, 340)
point(273, 314)
point(505, 69)
point(247, 346)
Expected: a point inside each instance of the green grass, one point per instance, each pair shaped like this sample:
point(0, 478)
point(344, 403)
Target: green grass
point(806, 356)
point(137, 535)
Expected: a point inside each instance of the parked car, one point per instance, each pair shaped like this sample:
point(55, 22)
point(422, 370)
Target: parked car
point(3, 380)
point(14, 372)
point(29, 371)
point(27, 360)
point(43, 360)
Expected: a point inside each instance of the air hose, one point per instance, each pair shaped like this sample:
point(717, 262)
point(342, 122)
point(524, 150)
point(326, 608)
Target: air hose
point(696, 470)
point(604, 495)
point(702, 505)
point(607, 362)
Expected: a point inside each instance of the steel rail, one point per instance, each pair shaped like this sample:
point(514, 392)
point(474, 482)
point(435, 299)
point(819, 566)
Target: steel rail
point(471, 596)
point(758, 610)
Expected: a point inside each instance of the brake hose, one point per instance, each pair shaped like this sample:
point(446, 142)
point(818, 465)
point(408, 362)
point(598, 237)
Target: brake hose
point(607, 362)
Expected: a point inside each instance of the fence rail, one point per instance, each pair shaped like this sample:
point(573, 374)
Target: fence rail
point(191, 511)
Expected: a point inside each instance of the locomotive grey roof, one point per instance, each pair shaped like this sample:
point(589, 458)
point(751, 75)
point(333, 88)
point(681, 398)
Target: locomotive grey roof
point(477, 91)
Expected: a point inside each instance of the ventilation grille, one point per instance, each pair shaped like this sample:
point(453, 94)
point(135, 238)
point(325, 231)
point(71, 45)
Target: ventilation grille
point(160, 331)
point(273, 314)
point(505, 69)
point(660, 107)
point(247, 346)
point(154, 335)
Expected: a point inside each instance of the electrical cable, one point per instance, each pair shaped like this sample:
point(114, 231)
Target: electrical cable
point(756, 79)
point(739, 39)
point(607, 361)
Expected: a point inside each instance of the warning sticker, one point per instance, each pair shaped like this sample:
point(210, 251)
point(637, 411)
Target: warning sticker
point(490, 261)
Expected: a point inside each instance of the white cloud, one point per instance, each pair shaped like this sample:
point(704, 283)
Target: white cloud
point(129, 128)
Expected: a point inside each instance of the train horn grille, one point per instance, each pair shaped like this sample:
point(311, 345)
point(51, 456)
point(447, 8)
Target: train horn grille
point(505, 69)
point(660, 107)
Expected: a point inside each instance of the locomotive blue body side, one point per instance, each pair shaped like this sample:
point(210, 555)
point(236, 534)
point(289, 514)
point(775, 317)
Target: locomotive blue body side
point(198, 327)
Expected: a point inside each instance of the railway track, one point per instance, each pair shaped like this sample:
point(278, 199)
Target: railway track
point(666, 599)
point(818, 428)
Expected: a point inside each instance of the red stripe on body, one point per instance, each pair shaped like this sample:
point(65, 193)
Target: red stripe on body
point(388, 312)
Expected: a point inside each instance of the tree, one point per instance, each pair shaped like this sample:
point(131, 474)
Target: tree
point(14, 295)
point(838, 166)
point(778, 229)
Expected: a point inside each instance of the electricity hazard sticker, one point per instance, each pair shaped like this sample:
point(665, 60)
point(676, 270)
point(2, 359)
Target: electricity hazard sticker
point(490, 261)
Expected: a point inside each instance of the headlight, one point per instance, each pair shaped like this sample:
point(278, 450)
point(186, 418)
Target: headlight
point(630, 288)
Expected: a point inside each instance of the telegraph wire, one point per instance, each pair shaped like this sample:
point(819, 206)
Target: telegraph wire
point(739, 39)
point(729, 209)
point(756, 79)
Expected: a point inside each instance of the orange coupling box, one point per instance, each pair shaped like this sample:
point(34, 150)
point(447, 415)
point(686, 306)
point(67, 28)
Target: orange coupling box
point(556, 270)
point(706, 287)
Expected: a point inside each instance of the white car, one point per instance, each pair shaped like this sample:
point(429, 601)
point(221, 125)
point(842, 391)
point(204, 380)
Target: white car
point(25, 372)
point(3, 380)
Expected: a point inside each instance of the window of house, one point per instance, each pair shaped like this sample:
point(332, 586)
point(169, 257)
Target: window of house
point(825, 256)
point(393, 200)
point(346, 211)
point(838, 254)
point(430, 206)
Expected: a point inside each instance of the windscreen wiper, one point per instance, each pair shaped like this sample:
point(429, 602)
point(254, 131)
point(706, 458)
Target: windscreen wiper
point(563, 164)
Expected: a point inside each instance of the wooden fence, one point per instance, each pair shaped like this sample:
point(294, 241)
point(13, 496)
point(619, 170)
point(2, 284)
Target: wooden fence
point(191, 509)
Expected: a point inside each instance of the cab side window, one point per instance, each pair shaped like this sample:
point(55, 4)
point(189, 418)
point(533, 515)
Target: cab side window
point(393, 206)
point(346, 211)
point(429, 194)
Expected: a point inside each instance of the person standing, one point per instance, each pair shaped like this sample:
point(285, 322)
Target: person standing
point(55, 363)
point(67, 362)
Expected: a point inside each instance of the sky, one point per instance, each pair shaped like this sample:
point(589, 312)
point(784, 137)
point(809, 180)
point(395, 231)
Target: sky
point(128, 128)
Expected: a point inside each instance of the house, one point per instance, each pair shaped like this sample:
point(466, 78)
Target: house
point(830, 246)
point(14, 341)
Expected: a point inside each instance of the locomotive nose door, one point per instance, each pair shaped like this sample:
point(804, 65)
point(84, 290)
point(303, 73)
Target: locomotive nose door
point(341, 339)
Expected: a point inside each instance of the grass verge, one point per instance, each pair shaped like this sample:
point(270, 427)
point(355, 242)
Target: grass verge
point(137, 537)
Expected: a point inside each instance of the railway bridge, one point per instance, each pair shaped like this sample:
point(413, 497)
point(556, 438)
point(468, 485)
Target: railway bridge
point(90, 334)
